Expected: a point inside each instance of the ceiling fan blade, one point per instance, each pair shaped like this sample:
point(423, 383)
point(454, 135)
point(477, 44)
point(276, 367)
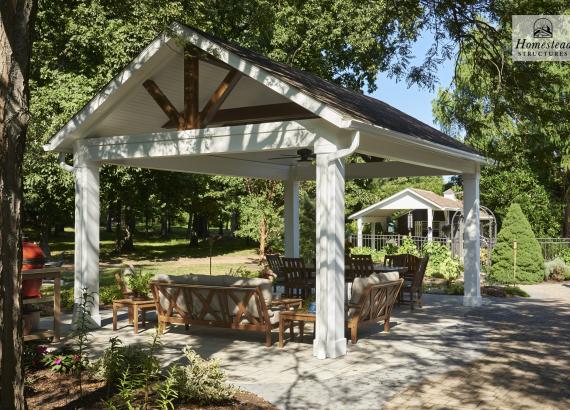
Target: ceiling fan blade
point(284, 157)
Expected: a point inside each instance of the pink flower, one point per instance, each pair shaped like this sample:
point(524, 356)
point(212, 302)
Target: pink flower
point(76, 358)
point(57, 361)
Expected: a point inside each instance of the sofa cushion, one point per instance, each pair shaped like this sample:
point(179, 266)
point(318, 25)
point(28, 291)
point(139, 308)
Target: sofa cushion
point(360, 284)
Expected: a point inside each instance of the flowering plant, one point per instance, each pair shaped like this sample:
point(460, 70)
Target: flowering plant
point(33, 356)
point(64, 361)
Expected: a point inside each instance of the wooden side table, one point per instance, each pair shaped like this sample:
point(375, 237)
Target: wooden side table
point(133, 307)
point(290, 317)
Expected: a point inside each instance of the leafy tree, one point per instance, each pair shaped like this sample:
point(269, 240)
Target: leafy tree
point(16, 26)
point(81, 44)
point(261, 213)
point(529, 264)
point(511, 112)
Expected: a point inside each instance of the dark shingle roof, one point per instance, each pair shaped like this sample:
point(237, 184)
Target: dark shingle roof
point(353, 104)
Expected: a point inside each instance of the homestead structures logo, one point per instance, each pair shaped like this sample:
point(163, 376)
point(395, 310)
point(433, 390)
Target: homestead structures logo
point(542, 28)
point(541, 38)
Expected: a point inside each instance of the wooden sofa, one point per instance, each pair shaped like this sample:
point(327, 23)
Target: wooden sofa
point(372, 300)
point(220, 301)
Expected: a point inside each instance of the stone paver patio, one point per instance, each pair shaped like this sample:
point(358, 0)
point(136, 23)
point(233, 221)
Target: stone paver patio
point(509, 353)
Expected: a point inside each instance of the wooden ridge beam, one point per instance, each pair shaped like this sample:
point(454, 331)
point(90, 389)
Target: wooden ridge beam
point(218, 97)
point(256, 114)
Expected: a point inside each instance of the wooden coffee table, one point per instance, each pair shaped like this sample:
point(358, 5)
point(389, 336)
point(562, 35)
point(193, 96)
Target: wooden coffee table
point(133, 307)
point(292, 316)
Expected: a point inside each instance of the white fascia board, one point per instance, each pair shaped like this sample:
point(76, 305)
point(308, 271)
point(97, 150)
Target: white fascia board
point(262, 76)
point(389, 169)
point(116, 86)
point(211, 165)
point(217, 140)
point(397, 195)
point(374, 129)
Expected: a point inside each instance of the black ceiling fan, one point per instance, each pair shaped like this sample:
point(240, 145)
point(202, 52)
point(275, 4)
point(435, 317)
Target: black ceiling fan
point(303, 155)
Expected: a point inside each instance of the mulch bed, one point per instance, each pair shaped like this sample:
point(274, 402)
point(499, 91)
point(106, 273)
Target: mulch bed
point(47, 390)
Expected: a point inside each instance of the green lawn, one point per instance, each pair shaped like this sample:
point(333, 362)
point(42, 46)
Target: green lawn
point(173, 256)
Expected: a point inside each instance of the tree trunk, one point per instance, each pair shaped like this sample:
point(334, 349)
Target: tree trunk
point(163, 226)
point(262, 237)
point(128, 234)
point(566, 225)
point(44, 240)
point(16, 24)
point(109, 224)
point(119, 228)
point(234, 222)
point(58, 229)
point(189, 230)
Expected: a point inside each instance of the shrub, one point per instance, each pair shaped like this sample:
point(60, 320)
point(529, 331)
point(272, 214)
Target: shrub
point(390, 248)
point(139, 283)
point(243, 272)
point(441, 263)
point(564, 254)
point(529, 260)
point(202, 381)
point(408, 246)
point(67, 298)
point(33, 356)
point(377, 256)
point(116, 358)
point(455, 289)
point(556, 269)
point(109, 293)
point(516, 291)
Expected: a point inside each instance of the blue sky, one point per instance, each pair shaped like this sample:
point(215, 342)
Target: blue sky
point(414, 101)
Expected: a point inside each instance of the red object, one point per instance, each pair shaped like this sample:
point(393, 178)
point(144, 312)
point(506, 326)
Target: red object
point(33, 258)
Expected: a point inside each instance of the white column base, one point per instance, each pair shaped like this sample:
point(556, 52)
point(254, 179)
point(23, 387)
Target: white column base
point(335, 349)
point(472, 301)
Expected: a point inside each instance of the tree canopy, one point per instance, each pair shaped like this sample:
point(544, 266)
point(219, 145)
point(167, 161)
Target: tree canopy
point(513, 112)
point(79, 45)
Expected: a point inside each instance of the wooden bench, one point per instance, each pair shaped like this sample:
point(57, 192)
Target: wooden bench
point(241, 306)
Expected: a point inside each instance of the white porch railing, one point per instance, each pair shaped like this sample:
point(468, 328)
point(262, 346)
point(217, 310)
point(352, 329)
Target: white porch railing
point(378, 242)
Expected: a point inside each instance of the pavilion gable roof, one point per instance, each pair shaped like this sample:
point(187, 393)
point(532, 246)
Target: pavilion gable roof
point(324, 99)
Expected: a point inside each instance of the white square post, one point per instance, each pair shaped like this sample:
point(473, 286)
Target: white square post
point(471, 245)
point(86, 231)
point(359, 227)
point(430, 224)
point(329, 329)
point(291, 218)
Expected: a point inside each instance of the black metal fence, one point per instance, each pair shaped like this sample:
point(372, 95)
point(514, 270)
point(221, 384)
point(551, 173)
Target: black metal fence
point(553, 247)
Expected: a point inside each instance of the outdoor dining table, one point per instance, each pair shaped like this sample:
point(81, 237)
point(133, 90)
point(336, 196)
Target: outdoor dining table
point(402, 270)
